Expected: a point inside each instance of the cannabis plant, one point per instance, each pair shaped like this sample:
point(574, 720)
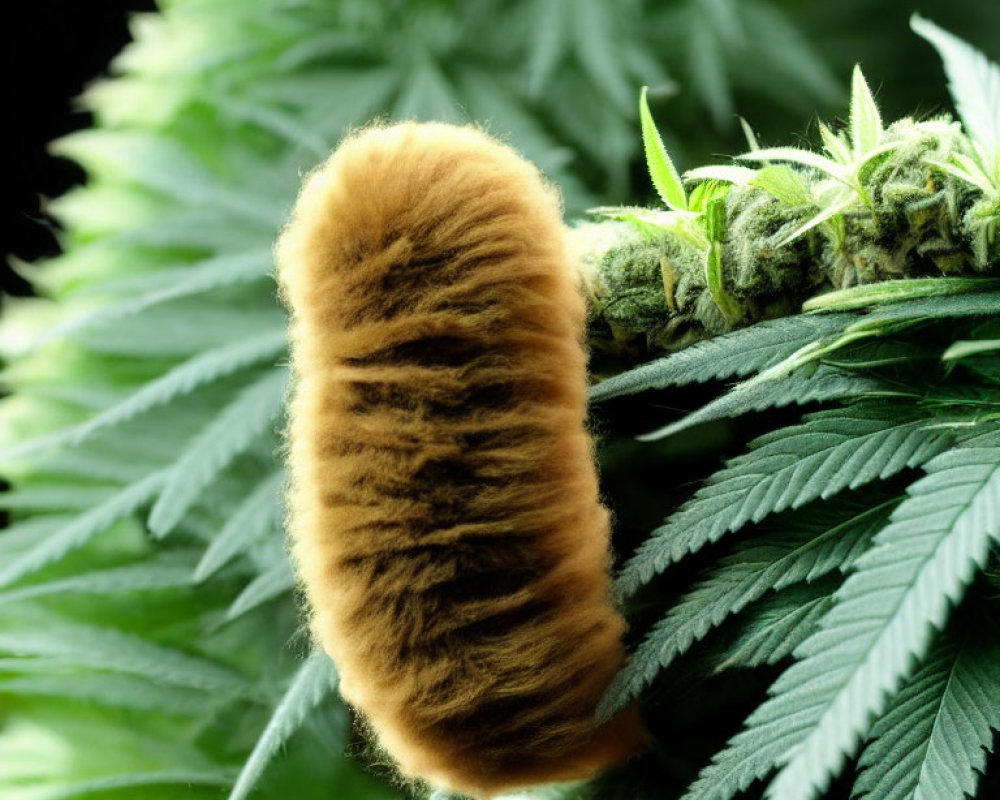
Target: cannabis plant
point(150, 643)
point(851, 547)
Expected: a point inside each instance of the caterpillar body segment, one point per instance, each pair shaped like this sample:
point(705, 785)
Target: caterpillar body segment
point(443, 506)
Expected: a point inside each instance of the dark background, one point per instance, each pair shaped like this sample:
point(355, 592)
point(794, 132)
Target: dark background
point(51, 50)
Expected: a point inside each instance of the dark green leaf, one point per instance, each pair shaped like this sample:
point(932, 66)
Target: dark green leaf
point(777, 625)
point(768, 562)
point(830, 451)
point(739, 353)
point(933, 738)
point(801, 387)
point(916, 570)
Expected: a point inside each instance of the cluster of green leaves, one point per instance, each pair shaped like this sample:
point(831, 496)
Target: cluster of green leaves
point(911, 199)
point(150, 643)
point(853, 547)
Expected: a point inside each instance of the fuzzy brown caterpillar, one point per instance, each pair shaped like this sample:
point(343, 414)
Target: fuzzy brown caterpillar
point(443, 509)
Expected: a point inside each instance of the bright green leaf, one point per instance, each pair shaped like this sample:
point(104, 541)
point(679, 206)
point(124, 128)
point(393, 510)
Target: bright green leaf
point(661, 169)
point(865, 120)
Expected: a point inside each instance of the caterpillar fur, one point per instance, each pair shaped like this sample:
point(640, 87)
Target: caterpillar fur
point(443, 506)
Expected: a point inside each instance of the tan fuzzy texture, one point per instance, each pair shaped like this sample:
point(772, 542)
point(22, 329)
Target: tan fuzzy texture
point(443, 509)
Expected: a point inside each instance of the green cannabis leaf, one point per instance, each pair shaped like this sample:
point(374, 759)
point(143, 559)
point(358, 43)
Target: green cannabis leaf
point(312, 682)
point(661, 169)
point(853, 549)
point(912, 199)
point(933, 739)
